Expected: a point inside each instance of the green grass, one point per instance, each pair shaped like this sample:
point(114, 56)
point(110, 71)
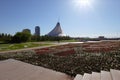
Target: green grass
point(7, 47)
point(1, 42)
point(73, 40)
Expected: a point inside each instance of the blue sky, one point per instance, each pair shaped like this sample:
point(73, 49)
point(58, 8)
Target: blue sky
point(102, 17)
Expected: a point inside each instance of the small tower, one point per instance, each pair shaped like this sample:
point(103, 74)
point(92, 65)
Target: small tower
point(37, 31)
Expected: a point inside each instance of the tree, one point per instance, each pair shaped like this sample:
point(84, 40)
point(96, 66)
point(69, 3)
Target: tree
point(6, 38)
point(26, 36)
point(35, 38)
point(21, 37)
point(17, 38)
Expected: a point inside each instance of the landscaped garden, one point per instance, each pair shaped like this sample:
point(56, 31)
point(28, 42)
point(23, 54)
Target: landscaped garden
point(73, 59)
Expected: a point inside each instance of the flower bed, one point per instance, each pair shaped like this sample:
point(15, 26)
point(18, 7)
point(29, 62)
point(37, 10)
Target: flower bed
point(71, 63)
point(64, 50)
point(100, 47)
point(66, 53)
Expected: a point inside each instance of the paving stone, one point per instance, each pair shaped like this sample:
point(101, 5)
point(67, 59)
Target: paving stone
point(115, 74)
point(105, 75)
point(86, 76)
point(78, 77)
point(95, 76)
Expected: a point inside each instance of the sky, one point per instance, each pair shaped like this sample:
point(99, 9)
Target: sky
point(89, 19)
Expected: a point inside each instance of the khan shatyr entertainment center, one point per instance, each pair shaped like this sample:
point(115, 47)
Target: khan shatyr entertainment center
point(57, 31)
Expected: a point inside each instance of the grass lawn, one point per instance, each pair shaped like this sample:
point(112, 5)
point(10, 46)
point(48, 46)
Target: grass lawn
point(73, 40)
point(7, 47)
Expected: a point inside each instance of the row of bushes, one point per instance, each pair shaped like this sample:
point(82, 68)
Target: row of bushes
point(26, 36)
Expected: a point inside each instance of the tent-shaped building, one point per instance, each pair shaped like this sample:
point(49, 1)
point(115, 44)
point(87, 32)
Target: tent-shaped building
point(57, 31)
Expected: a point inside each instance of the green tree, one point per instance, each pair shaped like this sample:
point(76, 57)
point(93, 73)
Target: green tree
point(21, 37)
point(26, 36)
point(6, 38)
point(35, 38)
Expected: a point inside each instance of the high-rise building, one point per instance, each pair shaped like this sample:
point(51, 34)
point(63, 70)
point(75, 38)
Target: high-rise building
point(37, 31)
point(57, 31)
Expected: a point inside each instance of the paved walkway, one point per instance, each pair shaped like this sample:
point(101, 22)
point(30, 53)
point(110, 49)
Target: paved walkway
point(16, 70)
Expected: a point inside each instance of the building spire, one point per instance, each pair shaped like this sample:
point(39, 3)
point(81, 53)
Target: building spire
point(59, 19)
